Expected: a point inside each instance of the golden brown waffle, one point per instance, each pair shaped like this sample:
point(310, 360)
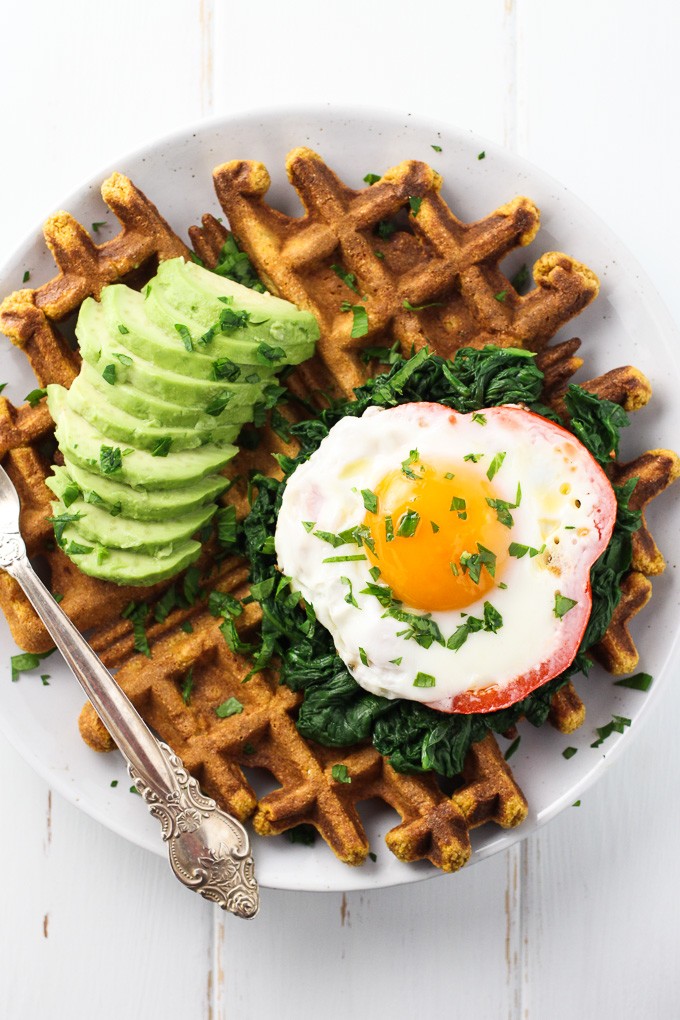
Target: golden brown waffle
point(430, 259)
point(424, 262)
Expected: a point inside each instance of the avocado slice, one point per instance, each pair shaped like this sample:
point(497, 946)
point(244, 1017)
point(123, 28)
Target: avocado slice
point(183, 293)
point(156, 411)
point(97, 525)
point(91, 449)
point(142, 505)
point(126, 314)
point(99, 348)
point(127, 566)
point(125, 428)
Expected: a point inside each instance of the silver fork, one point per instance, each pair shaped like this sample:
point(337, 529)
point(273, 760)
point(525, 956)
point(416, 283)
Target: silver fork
point(209, 850)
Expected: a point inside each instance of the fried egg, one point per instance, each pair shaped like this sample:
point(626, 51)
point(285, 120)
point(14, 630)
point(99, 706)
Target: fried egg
point(448, 554)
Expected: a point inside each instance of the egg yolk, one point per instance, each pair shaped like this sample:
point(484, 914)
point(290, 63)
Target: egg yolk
point(434, 534)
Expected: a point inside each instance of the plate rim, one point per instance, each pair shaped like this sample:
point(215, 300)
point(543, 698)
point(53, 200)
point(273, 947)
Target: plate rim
point(624, 257)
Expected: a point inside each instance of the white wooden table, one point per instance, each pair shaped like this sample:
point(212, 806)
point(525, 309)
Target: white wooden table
point(580, 920)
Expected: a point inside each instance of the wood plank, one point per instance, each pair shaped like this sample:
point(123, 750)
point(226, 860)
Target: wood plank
point(601, 881)
point(103, 923)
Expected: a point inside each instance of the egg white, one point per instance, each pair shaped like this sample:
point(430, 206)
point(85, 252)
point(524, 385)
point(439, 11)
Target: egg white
point(558, 510)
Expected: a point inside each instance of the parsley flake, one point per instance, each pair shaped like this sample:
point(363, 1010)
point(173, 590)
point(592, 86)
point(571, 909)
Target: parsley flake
point(110, 459)
point(408, 524)
point(161, 447)
point(370, 500)
point(639, 682)
point(185, 336)
point(424, 680)
point(495, 465)
point(563, 605)
point(415, 202)
point(372, 178)
point(341, 774)
point(35, 396)
point(349, 279)
point(513, 747)
point(359, 321)
point(232, 706)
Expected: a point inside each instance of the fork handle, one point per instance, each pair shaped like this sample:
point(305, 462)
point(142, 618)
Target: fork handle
point(131, 734)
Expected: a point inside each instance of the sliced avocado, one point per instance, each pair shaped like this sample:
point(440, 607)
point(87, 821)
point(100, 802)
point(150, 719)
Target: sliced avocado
point(142, 405)
point(124, 428)
point(97, 525)
point(91, 449)
point(183, 293)
point(99, 348)
point(159, 505)
point(126, 313)
point(127, 566)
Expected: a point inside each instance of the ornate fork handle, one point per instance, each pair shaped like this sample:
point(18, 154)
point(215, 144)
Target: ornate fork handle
point(209, 850)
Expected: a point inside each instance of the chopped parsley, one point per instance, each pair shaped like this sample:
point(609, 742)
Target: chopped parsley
point(501, 296)
point(415, 202)
point(389, 528)
point(412, 458)
point(472, 563)
point(371, 179)
point(479, 419)
point(341, 774)
point(35, 396)
point(569, 752)
point(495, 465)
point(491, 623)
point(482, 155)
point(349, 279)
point(437, 148)
point(518, 550)
point(359, 320)
point(187, 686)
point(109, 374)
point(225, 368)
point(459, 505)
point(110, 459)
point(563, 605)
point(344, 559)
point(26, 661)
point(408, 524)
point(137, 614)
point(161, 447)
point(26, 277)
point(349, 597)
point(124, 359)
point(232, 706)
point(122, 329)
point(639, 682)
point(418, 308)
point(617, 725)
point(96, 227)
point(370, 500)
point(363, 656)
point(424, 680)
point(513, 747)
point(185, 336)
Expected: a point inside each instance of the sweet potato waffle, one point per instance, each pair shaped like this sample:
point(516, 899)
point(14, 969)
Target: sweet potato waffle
point(429, 257)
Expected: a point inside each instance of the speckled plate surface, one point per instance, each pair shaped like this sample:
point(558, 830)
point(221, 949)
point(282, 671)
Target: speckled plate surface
point(627, 324)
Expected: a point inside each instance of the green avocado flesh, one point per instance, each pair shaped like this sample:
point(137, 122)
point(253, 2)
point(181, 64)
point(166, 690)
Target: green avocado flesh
point(168, 379)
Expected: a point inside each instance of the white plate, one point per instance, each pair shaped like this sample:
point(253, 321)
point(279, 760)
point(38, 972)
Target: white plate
point(627, 324)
